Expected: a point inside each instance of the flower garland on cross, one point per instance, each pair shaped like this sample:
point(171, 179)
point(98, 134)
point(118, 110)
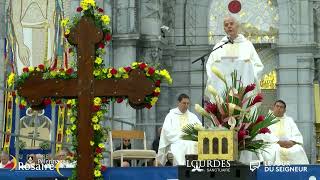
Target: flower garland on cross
point(100, 105)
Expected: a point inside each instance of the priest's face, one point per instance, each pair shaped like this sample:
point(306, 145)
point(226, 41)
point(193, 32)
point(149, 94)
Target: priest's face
point(279, 109)
point(183, 105)
point(231, 27)
point(4, 159)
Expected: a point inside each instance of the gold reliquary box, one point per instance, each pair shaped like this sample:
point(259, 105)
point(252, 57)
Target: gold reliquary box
point(218, 144)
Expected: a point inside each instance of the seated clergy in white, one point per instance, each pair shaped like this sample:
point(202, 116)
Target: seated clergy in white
point(170, 138)
point(287, 147)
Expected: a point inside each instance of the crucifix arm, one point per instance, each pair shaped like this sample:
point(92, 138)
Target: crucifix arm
point(34, 90)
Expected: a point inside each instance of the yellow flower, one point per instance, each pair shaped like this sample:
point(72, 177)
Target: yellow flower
point(163, 72)
point(69, 112)
point(69, 101)
point(169, 79)
point(105, 19)
point(134, 64)
point(37, 69)
point(109, 75)
point(101, 145)
point(105, 70)
point(91, 143)
point(31, 68)
point(53, 73)
point(154, 100)
point(97, 173)
point(73, 102)
point(73, 119)
point(157, 90)
point(166, 75)
point(74, 127)
point(68, 131)
point(67, 31)
point(90, 2)
point(64, 22)
point(122, 70)
point(96, 72)
point(84, 5)
point(97, 101)
point(98, 60)
point(96, 127)
point(216, 71)
point(125, 76)
point(10, 79)
point(95, 119)
point(96, 160)
point(23, 102)
point(117, 75)
point(99, 114)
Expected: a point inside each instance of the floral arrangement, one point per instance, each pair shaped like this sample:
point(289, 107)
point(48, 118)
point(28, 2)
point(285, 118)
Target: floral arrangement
point(88, 8)
point(235, 109)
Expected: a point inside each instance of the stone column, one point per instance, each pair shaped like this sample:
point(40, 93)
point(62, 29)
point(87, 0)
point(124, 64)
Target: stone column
point(295, 65)
point(150, 51)
point(124, 42)
point(2, 68)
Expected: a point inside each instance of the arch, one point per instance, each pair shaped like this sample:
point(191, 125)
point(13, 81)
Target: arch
point(205, 146)
point(215, 146)
point(225, 145)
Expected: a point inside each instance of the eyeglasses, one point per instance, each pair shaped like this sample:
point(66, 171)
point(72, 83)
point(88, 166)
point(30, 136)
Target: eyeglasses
point(126, 140)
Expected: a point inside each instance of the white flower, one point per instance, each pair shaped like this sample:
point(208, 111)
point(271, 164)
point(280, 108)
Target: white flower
point(198, 127)
point(212, 90)
point(199, 109)
point(232, 122)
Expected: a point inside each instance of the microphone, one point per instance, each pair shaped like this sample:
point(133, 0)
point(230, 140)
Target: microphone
point(230, 40)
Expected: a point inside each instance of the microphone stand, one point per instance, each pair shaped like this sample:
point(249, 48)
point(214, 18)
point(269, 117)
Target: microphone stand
point(202, 58)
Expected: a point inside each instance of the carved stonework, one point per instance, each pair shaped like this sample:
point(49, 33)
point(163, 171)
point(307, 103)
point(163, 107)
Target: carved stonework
point(168, 13)
point(191, 22)
point(151, 55)
point(152, 9)
point(125, 16)
point(293, 20)
point(316, 7)
point(268, 58)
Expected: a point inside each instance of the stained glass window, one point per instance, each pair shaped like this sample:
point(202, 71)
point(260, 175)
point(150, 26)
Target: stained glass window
point(258, 20)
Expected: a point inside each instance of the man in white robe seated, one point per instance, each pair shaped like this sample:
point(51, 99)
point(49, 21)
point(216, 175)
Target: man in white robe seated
point(239, 55)
point(170, 138)
point(287, 147)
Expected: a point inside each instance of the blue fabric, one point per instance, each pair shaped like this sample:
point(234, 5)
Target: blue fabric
point(23, 154)
point(280, 173)
point(160, 173)
point(132, 173)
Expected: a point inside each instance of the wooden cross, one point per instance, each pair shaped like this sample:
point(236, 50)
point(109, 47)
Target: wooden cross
point(85, 36)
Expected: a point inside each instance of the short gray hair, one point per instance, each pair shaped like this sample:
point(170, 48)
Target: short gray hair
point(231, 17)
